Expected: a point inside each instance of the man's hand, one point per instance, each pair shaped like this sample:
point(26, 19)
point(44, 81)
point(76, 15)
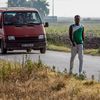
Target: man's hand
point(73, 44)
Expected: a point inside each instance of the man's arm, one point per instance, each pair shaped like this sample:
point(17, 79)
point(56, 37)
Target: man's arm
point(70, 35)
point(83, 34)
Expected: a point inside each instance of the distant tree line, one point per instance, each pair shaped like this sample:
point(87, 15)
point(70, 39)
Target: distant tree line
point(41, 5)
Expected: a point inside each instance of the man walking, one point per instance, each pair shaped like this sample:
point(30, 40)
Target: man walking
point(76, 35)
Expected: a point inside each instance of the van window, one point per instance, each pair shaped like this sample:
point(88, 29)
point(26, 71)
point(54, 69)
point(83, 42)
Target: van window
point(23, 18)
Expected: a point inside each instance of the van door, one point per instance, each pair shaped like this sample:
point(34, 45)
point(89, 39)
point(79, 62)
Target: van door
point(0, 22)
point(1, 30)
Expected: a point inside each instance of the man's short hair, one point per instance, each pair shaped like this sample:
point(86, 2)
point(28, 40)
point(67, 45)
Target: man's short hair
point(77, 16)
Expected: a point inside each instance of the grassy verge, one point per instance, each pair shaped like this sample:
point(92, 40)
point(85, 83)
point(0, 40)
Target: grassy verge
point(94, 52)
point(58, 48)
point(36, 81)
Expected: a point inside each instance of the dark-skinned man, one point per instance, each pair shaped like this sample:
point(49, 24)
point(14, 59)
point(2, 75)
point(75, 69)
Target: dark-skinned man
point(76, 35)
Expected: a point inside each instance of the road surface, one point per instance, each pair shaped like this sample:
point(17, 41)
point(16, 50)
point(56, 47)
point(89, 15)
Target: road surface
point(60, 60)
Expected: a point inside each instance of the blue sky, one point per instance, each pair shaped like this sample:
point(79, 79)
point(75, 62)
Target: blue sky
point(69, 8)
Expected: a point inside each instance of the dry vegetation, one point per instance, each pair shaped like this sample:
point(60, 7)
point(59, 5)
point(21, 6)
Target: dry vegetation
point(28, 81)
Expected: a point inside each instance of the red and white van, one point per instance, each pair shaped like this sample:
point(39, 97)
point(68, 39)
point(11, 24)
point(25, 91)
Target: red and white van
point(21, 29)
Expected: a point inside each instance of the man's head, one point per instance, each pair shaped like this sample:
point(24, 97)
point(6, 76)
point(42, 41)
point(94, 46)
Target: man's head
point(77, 19)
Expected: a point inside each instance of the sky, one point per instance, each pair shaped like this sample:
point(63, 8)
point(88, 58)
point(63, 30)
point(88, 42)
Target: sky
point(69, 8)
point(3, 3)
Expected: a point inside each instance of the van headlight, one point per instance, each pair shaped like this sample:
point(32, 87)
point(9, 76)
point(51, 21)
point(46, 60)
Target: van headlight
point(11, 37)
point(41, 37)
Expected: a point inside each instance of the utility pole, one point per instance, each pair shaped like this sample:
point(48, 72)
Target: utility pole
point(52, 7)
point(18, 2)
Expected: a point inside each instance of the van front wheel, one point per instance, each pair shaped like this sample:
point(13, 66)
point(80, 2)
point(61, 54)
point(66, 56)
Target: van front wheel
point(43, 50)
point(3, 50)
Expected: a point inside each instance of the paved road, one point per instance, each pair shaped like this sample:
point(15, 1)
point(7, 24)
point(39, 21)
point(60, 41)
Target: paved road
point(60, 60)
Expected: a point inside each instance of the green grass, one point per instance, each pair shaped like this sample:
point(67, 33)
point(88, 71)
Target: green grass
point(94, 52)
point(62, 28)
point(58, 48)
point(57, 29)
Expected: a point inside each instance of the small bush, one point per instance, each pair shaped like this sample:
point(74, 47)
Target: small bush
point(58, 86)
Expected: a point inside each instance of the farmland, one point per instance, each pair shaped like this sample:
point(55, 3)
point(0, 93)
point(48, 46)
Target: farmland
point(57, 34)
point(91, 28)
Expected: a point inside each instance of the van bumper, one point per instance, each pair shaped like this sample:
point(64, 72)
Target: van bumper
point(24, 46)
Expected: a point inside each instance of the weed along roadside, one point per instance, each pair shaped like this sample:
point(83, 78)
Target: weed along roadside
point(34, 81)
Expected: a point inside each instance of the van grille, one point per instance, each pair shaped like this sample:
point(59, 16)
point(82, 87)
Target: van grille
point(25, 40)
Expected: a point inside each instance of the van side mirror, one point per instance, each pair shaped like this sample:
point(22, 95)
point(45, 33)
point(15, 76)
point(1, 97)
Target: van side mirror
point(46, 24)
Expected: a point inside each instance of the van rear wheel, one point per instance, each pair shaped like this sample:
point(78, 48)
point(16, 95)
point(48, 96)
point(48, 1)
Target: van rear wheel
point(42, 50)
point(3, 50)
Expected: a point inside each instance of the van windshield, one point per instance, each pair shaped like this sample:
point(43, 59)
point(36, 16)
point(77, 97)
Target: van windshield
point(21, 18)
